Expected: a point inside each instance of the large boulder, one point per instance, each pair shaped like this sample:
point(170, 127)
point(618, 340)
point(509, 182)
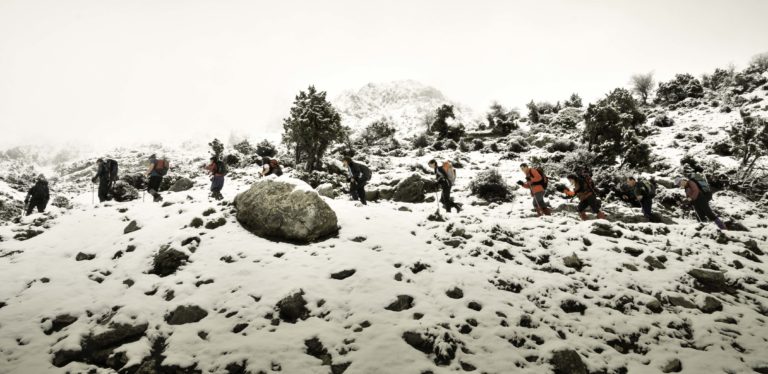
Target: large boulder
point(286, 210)
point(123, 191)
point(181, 184)
point(410, 190)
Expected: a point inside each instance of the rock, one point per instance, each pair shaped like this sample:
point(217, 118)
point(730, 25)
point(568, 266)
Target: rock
point(403, 302)
point(654, 262)
point(634, 252)
point(711, 305)
point(681, 302)
point(442, 345)
point(474, 305)
point(277, 209)
point(455, 293)
point(167, 261)
point(182, 184)
point(386, 193)
point(344, 274)
point(326, 190)
point(606, 229)
point(567, 361)
point(61, 321)
point(573, 262)
point(84, 256)
point(410, 190)
point(132, 226)
point(61, 202)
point(752, 246)
point(709, 280)
point(184, 314)
point(315, 349)
point(371, 195)
point(573, 306)
point(293, 308)
point(122, 191)
point(673, 366)
point(98, 349)
point(654, 306)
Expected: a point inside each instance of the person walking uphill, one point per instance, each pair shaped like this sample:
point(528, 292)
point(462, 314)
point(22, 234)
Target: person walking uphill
point(37, 196)
point(158, 168)
point(699, 194)
point(359, 175)
point(102, 176)
point(270, 166)
point(587, 198)
point(644, 191)
point(218, 170)
point(446, 177)
point(536, 181)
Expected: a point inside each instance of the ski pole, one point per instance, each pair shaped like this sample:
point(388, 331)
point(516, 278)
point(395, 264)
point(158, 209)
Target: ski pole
point(92, 198)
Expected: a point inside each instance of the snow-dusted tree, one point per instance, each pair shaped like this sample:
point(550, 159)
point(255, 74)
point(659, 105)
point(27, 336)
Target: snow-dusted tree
point(244, 147)
point(265, 148)
point(750, 141)
point(377, 132)
point(502, 121)
point(312, 127)
point(720, 78)
point(533, 112)
point(611, 125)
point(760, 62)
point(642, 85)
point(217, 148)
point(441, 125)
point(678, 89)
point(573, 102)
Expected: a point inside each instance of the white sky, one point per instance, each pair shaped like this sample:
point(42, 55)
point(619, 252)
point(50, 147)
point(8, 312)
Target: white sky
point(152, 69)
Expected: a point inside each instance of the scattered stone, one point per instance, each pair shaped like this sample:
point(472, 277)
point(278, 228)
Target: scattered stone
point(455, 293)
point(196, 222)
point(634, 252)
point(673, 366)
point(239, 327)
point(275, 209)
point(654, 306)
point(573, 262)
point(212, 225)
point(182, 184)
point(573, 306)
point(403, 302)
point(344, 274)
point(567, 361)
point(132, 226)
point(711, 305)
point(709, 280)
point(654, 262)
point(59, 322)
point(681, 302)
point(442, 345)
point(184, 314)
point(410, 190)
point(84, 256)
point(359, 239)
point(606, 229)
point(293, 308)
point(167, 261)
point(189, 240)
point(316, 349)
point(474, 305)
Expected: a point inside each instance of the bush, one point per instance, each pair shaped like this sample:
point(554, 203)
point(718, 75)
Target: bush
point(231, 160)
point(723, 148)
point(721, 78)
point(217, 148)
point(377, 132)
point(678, 89)
point(567, 118)
point(518, 146)
point(244, 147)
point(750, 141)
point(562, 146)
point(611, 125)
point(266, 149)
point(490, 186)
point(663, 120)
point(573, 102)
point(420, 141)
point(478, 144)
point(759, 63)
point(502, 121)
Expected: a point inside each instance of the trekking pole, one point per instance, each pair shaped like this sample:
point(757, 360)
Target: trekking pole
point(92, 198)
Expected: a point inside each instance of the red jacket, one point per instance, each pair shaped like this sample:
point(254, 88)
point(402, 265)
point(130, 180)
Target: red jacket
point(692, 190)
point(213, 169)
point(533, 177)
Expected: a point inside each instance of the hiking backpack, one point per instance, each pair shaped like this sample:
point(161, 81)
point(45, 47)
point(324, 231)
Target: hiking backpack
point(274, 167)
point(585, 179)
point(365, 172)
point(650, 187)
point(221, 167)
point(544, 178)
point(112, 170)
point(702, 182)
point(450, 172)
point(162, 166)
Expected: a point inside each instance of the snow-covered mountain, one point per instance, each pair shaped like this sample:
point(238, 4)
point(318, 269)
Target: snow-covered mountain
point(406, 104)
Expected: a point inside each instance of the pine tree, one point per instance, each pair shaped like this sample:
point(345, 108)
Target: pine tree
point(533, 112)
point(611, 125)
point(217, 148)
point(500, 120)
point(440, 125)
point(312, 127)
point(573, 102)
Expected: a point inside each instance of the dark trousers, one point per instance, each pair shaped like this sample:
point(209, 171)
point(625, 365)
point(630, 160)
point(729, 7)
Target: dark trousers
point(154, 186)
point(103, 190)
point(590, 202)
point(445, 196)
point(40, 205)
point(704, 212)
point(217, 184)
point(646, 205)
point(538, 200)
point(358, 191)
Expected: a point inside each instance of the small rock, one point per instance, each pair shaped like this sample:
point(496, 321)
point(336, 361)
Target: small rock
point(455, 293)
point(403, 302)
point(573, 262)
point(681, 302)
point(673, 366)
point(182, 184)
point(475, 306)
point(293, 308)
point(132, 226)
point(634, 252)
point(711, 305)
point(654, 262)
point(654, 306)
point(84, 256)
point(61, 321)
point(567, 361)
point(344, 274)
point(709, 280)
point(184, 314)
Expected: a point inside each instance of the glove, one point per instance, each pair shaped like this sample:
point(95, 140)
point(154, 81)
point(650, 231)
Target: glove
point(94, 179)
point(520, 183)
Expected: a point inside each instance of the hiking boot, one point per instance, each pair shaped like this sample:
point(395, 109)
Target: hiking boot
point(547, 211)
point(458, 208)
point(720, 224)
point(583, 216)
point(601, 215)
point(157, 198)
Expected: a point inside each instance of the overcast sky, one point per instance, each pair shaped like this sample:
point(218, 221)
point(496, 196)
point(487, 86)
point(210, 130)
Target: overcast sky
point(151, 70)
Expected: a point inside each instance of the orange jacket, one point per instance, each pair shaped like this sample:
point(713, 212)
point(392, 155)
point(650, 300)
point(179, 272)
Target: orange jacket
point(533, 177)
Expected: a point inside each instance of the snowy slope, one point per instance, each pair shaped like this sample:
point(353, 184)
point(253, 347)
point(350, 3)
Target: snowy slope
point(405, 104)
point(511, 265)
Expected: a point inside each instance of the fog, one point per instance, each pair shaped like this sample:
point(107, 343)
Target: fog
point(106, 72)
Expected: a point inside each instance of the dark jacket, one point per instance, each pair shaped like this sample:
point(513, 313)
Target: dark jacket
point(442, 176)
point(102, 174)
point(39, 192)
point(580, 190)
point(641, 190)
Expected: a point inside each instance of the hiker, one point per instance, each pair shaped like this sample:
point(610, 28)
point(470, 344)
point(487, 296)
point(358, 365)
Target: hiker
point(270, 166)
point(157, 169)
point(218, 170)
point(536, 181)
point(446, 177)
point(102, 176)
point(643, 192)
point(699, 194)
point(37, 196)
point(358, 176)
point(583, 188)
